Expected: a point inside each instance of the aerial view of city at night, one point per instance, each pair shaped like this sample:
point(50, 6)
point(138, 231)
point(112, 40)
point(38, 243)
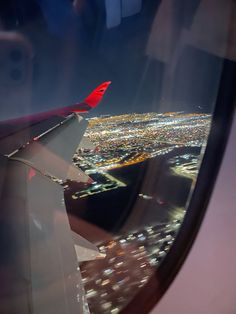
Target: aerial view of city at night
point(117, 153)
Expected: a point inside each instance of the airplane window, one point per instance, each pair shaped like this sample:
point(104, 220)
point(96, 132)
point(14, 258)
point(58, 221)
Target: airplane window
point(114, 117)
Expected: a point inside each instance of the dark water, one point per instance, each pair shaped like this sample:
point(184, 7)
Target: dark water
point(112, 210)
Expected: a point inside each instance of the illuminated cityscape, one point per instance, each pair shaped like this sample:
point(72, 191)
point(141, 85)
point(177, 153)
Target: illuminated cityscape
point(185, 165)
point(130, 261)
point(125, 140)
point(118, 143)
point(132, 138)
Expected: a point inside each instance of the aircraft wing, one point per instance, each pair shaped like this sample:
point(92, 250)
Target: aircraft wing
point(15, 133)
point(35, 156)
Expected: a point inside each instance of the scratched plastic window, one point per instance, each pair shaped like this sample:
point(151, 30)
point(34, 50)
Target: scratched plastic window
point(106, 108)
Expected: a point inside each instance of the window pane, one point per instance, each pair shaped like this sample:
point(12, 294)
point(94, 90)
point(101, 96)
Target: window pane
point(106, 109)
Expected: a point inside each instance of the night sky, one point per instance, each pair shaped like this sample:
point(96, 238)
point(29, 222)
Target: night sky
point(75, 52)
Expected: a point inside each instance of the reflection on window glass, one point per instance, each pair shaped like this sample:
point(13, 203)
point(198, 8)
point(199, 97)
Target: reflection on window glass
point(106, 107)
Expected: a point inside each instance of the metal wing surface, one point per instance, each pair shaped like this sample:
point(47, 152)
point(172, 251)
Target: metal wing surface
point(44, 254)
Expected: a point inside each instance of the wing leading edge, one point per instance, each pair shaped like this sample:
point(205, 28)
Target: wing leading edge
point(90, 102)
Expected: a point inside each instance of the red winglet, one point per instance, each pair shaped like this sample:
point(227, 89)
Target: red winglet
point(96, 96)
